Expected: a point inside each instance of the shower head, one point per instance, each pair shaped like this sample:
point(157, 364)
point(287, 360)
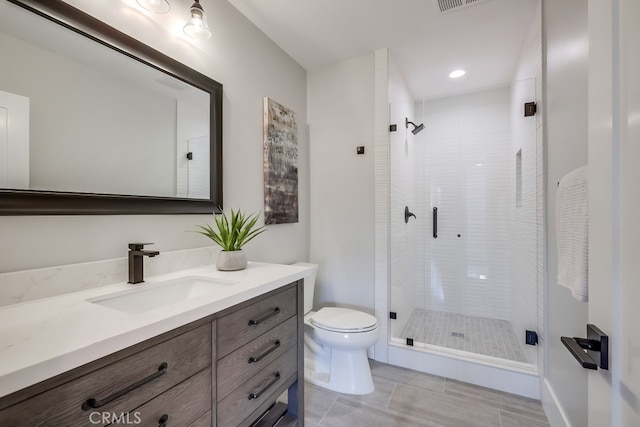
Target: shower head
point(416, 128)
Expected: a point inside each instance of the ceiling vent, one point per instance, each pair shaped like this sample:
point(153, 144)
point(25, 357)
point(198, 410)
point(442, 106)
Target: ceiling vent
point(445, 6)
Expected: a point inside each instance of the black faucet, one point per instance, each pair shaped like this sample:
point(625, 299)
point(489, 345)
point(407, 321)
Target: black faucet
point(136, 253)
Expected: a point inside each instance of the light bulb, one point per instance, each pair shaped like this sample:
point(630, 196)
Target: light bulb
point(197, 27)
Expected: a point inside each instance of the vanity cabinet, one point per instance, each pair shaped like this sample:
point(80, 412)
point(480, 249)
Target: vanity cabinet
point(224, 370)
point(256, 357)
point(182, 405)
point(115, 391)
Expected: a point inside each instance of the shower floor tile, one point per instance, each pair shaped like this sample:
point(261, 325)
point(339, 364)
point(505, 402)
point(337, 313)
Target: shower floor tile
point(491, 337)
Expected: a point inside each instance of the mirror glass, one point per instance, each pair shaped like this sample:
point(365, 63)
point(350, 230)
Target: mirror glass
point(80, 117)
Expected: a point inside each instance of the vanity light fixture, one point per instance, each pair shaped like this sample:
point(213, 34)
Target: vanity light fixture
point(197, 27)
point(155, 6)
point(456, 73)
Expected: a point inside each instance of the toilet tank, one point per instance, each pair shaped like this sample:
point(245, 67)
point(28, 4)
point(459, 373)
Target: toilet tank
point(309, 285)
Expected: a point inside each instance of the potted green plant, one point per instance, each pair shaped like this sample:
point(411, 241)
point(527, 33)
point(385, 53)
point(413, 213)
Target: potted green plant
point(231, 234)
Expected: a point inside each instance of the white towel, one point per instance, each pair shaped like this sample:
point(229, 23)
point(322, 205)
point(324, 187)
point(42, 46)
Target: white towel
point(572, 232)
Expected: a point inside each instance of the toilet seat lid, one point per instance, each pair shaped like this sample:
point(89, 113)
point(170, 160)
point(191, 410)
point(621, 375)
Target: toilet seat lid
point(343, 320)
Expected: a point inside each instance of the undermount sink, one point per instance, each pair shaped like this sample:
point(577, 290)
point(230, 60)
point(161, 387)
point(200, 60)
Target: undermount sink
point(152, 296)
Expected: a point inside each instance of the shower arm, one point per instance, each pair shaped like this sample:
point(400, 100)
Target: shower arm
point(416, 128)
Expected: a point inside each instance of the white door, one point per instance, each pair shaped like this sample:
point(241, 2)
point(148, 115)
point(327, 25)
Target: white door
point(614, 207)
point(198, 168)
point(14, 141)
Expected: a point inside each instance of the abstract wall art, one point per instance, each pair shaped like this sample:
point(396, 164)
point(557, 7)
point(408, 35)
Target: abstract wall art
point(280, 155)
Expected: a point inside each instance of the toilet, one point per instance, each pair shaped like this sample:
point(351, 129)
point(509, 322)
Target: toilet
point(335, 344)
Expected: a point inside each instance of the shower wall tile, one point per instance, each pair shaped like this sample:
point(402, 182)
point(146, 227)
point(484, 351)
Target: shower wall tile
point(382, 194)
point(382, 247)
point(422, 219)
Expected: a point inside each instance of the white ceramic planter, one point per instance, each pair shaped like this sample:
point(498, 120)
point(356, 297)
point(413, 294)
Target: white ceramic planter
point(231, 260)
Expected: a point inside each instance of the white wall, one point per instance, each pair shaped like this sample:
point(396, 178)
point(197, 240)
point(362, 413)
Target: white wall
point(250, 66)
point(566, 42)
point(72, 110)
point(341, 117)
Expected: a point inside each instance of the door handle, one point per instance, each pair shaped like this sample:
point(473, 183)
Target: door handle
point(435, 223)
point(596, 345)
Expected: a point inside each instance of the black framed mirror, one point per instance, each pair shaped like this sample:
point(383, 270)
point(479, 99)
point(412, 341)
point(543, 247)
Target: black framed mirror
point(40, 197)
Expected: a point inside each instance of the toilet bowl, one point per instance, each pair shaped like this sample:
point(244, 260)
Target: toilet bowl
point(336, 342)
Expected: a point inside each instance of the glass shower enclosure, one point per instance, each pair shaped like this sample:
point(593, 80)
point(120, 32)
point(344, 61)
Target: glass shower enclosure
point(466, 225)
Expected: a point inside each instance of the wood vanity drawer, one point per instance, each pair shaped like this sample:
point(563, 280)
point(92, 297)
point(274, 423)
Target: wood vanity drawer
point(264, 386)
point(238, 328)
point(243, 364)
point(203, 421)
point(181, 405)
point(184, 355)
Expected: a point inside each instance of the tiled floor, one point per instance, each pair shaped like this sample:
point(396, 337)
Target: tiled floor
point(406, 398)
point(491, 337)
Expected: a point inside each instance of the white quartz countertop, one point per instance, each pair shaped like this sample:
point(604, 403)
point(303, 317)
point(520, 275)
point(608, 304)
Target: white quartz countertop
point(43, 338)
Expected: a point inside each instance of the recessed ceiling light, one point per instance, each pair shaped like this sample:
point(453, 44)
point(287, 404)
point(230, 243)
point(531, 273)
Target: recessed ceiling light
point(456, 73)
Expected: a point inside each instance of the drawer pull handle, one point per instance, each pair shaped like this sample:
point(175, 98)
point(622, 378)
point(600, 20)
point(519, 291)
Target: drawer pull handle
point(93, 403)
point(267, 387)
point(265, 317)
point(266, 353)
point(162, 422)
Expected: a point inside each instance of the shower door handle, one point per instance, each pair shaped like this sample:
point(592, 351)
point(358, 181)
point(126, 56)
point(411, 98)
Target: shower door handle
point(435, 223)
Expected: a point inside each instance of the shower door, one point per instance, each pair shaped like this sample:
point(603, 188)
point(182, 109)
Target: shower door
point(473, 286)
